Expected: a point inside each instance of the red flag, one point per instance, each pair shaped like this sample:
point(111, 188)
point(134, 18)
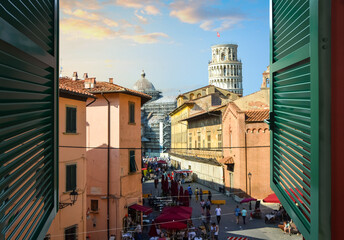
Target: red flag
point(218, 34)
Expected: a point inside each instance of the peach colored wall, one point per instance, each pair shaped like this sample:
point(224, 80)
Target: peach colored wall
point(258, 134)
point(125, 189)
point(76, 214)
point(258, 159)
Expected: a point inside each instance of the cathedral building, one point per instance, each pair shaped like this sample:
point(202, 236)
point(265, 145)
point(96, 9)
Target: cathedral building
point(155, 119)
point(225, 70)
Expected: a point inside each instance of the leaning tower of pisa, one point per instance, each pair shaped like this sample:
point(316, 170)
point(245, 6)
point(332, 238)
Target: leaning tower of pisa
point(225, 71)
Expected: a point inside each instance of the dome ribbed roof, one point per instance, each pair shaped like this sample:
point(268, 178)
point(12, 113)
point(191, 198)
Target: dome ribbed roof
point(143, 85)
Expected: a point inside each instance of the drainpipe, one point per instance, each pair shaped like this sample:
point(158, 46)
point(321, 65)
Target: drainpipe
point(108, 171)
point(91, 102)
point(246, 159)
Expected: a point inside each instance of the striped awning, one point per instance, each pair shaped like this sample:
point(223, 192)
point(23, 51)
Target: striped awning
point(238, 238)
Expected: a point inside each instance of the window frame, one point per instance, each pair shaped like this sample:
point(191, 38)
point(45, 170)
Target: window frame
point(69, 228)
point(130, 167)
point(71, 131)
point(93, 201)
point(76, 173)
point(131, 120)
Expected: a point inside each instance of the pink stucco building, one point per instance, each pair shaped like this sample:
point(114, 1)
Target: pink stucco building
point(113, 155)
point(71, 219)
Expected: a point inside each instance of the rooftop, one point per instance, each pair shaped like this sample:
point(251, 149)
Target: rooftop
point(257, 115)
point(100, 87)
point(68, 86)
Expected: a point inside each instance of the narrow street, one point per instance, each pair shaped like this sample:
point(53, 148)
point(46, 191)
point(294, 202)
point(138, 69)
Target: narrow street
point(255, 229)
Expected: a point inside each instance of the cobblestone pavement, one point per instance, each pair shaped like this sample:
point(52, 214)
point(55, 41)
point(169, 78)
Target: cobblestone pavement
point(254, 229)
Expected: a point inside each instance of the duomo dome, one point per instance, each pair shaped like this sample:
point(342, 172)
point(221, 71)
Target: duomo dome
point(143, 85)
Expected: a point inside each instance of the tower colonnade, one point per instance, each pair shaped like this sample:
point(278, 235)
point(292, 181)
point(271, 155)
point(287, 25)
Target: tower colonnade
point(224, 69)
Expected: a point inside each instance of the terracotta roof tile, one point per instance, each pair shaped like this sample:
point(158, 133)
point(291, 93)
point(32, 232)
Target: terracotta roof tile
point(64, 85)
point(257, 115)
point(100, 87)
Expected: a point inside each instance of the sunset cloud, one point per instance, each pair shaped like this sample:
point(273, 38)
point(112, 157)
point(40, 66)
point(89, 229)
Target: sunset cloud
point(146, 38)
point(152, 10)
point(141, 18)
point(110, 22)
point(135, 3)
point(204, 13)
point(84, 4)
point(78, 28)
point(82, 14)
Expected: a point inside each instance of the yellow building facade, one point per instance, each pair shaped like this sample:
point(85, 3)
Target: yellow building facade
point(196, 133)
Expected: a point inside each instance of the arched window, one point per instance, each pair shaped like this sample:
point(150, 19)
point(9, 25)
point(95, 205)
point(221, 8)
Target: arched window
point(223, 57)
point(192, 96)
point(224, 71)
point(198, 95)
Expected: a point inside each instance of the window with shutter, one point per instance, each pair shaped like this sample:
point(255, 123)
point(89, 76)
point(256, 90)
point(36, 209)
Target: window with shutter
point(94, 205)
point(295, 68)
point(70, 120)
point(28, 137)
point(131, 112)
point(132, 162)
point(70, 177)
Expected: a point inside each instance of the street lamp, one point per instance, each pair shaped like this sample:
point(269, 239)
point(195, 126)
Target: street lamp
point(249, 178)
point(73, 198)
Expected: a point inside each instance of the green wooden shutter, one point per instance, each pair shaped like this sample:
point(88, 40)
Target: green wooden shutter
point(132, 164)
point(28, 117)
point(295, 69)
point(70, 120)
point(131, 112)
point(71, 177)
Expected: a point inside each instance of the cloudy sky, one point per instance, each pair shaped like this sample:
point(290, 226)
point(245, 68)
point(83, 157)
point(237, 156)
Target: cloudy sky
point(169, 39)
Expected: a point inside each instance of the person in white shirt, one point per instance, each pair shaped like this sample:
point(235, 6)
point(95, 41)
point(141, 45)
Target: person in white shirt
point(218, 214)
point(216, 233)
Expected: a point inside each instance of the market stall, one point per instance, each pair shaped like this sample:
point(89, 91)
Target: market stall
point(185, 176)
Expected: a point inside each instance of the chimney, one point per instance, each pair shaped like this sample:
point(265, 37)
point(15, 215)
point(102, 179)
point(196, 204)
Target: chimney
point(111, 80)
point(89, 83)
point(75, 76)
point(85, 76)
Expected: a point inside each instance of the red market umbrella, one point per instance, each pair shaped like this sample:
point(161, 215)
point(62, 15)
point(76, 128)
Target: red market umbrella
point(174, 225)
point(181, 193)
point(245, 200)
point(179, 210)
point(272, 198)
point(152, 231)
point(162, 162)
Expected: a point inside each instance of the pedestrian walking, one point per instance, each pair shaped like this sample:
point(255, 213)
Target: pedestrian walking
point(216, 232)
point(138, 231)
point(208, 218)
point(156, 181)
point(201, 194)
point(218, 214)
point(237, 213)
point(212, 231)
point(190, 191)
point(209, 195)
point(196, 193)
point(204, 221)
point(243, 214)
point(208, 204)
point(202, 203)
